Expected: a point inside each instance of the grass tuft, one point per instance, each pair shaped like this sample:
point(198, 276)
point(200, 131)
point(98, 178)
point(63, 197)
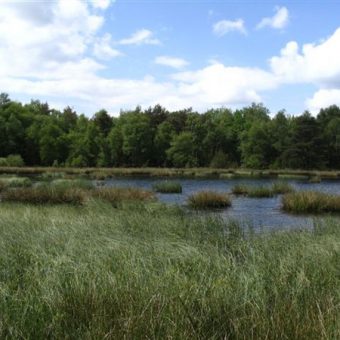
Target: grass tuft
point(116, 195)
point(169, 187)
point(310, 202)
point(45, 195)
point(15, 182)
point(209, 200)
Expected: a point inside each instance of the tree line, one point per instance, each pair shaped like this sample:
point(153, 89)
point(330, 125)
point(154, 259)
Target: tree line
point(247, 137)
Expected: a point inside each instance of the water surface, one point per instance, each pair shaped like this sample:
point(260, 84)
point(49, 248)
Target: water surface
point(264, 213)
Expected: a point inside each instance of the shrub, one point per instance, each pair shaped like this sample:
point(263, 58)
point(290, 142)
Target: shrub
point(208, 200)
point(3, 161)
point(169, 187)
point(310, 202)
point(15, 160)
point(45, 195)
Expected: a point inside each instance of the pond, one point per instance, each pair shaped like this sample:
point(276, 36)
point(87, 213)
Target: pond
point(260, 213)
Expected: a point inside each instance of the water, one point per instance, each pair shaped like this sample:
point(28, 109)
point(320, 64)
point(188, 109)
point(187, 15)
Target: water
point(264, 213)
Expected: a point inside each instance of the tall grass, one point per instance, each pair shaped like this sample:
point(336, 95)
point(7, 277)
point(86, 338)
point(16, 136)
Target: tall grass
point(72, 183)
point(153, 273)
point(117, 195)
point(45, 195)
point(209, 200)
point(168, 187)
point(310, 202)
point(15, 182)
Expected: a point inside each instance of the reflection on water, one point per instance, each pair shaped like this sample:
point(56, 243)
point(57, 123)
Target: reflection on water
point(264, 213)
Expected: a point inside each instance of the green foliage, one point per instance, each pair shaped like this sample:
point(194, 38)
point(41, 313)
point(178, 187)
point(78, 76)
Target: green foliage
point(15, 182)
point(217, 138)
point(13, 160)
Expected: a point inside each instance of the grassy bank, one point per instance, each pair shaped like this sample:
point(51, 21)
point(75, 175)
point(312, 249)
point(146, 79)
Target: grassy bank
point(102, 173)
point(148, 271)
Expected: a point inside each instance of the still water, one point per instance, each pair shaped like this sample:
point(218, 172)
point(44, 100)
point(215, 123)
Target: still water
point(264, 213)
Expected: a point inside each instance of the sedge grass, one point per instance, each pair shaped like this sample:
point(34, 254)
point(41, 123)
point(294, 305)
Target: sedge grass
point(209, 200)
point(169, 187)
point(311, 202)
point(153, 273)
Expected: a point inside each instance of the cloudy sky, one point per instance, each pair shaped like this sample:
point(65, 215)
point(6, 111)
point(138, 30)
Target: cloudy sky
point(201, 54)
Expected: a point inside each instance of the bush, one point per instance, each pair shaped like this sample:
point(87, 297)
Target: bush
point(310, 202)
point(208, 200)
point(3, 161)
point(15, 161)
point(169, 187)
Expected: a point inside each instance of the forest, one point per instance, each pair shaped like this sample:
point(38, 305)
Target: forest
point(34, 134)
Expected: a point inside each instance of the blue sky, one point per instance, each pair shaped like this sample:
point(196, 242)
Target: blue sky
point(200, 54)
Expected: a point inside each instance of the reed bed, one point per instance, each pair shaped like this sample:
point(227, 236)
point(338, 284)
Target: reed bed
point(168, 187)
point(209, 200)
point(154, 273)
point(311, 202)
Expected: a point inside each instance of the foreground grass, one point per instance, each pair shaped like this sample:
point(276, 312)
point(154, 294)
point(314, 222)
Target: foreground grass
point(146, 271)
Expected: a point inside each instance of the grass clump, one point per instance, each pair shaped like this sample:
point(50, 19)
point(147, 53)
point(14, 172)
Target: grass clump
point(310, 202)
point(15, 182)
point(72, 184)
point(45, 195)
point(315, 179)
point(209, 200)
point(168, 187)
point(279, 188)
point(293, 176)
point(262, 191)
point(116, 195)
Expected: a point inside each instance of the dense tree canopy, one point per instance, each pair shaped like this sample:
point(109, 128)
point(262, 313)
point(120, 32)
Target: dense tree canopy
point(247, 137)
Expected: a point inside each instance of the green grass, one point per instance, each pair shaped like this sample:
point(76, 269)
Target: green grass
point(311, 202)
point(72, 183)
point(15, 182)
point(169, 187)
point(45, 195)
point(117, 195)
point(151, 272)
point(315, 179)
point(253, 191)
point(209, 200)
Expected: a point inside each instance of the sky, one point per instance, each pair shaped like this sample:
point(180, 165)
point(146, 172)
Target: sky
point(119, 54)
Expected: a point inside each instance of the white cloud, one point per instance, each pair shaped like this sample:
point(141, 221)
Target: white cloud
point(223, 27)
point(171, 62)
point(103, 49)
point(102, 4)
point(278, 21)
point(314, 63)
point(141, 37)
point(323, 98)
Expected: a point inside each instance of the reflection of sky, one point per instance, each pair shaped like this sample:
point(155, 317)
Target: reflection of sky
point(260, 213)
